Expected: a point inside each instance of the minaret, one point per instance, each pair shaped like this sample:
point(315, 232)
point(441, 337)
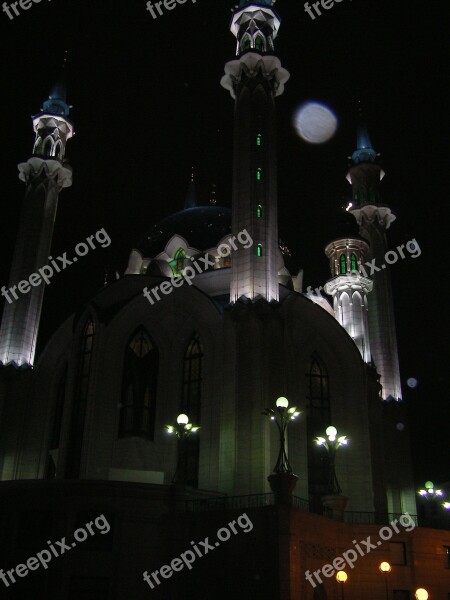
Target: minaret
point(254, 80)
point(374, 218)
point(45, 175)
point(349, 287)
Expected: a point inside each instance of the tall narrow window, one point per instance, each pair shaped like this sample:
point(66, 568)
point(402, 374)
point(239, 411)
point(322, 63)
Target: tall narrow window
point(343, 263)
point(317, 419)
point(246, 42)
point(58, 150)
point(191, 405)
point(259, 174)
point(259, 43)
point(38, 146)
point(259, 211)
point(47, 147)
point(258, 139)
point(139, 387)
point(259, 251)
point(79, 406)
point(354, 262)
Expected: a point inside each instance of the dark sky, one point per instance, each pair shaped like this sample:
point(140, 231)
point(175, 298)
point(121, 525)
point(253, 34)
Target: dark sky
point(148, 106)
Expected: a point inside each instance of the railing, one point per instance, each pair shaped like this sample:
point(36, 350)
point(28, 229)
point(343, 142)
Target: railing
point(301, 503)
point(368, 518)
point(230, 502)
point(224, 503)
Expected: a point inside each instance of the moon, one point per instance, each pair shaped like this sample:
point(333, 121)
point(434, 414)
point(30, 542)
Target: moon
point(315, 122)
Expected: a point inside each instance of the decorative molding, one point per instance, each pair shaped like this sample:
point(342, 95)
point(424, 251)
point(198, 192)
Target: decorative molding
point(52, 167)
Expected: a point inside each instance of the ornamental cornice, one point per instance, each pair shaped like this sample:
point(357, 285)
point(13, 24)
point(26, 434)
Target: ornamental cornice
point(34, 167)
point(253, 64)
point(371, 213)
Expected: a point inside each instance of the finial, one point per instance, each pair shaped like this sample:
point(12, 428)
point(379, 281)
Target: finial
point(191, 200)
point(213, 199)
point(364, 148)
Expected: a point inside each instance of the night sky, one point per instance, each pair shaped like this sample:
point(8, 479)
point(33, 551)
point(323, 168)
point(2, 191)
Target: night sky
point(148, 106)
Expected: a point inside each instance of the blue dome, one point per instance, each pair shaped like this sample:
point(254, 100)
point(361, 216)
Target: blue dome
point(202, 227)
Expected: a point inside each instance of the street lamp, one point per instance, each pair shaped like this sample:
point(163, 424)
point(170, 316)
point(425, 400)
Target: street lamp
point(282, 415)
point(430, 492)
point(331, 443)
point(421, 594)
point(446, 505)
point(182, 430)
point(385, 568)
point(341, 577)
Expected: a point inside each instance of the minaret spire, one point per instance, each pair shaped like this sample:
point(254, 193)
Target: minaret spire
point(374, 218)
point(254, 80)
point(191, 200)
point(45, 174)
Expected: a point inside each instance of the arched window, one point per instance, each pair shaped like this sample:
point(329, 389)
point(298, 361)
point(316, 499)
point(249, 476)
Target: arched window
point(191, 405)
point(258, 139)
point(317, 419)
point(259, 211)
point(139, 387)
point(79, 406)
point(47, 147)
point(38, 146)
point(246, 42)
point(258, 173)
point(259, 43)
point(259, 251)
point(354, 262)
point(58, 149)
point(178, 263)
point(343, 263)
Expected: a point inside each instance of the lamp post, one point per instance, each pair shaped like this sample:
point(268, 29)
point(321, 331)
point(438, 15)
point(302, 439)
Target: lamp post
point(282, 415)
point(331, 443)
point(430, 492)
point(341, 577)
point(421, 594)
point(385, 568)
point(182, 430)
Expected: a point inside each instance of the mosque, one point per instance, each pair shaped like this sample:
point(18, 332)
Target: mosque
point(83, 426)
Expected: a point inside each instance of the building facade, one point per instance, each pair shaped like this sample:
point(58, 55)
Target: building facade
point(207, 321)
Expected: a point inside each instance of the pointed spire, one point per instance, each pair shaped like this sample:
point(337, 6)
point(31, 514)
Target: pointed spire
point(213, 199)
point(364, 149)
point(57, 101)
point(191, 200)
